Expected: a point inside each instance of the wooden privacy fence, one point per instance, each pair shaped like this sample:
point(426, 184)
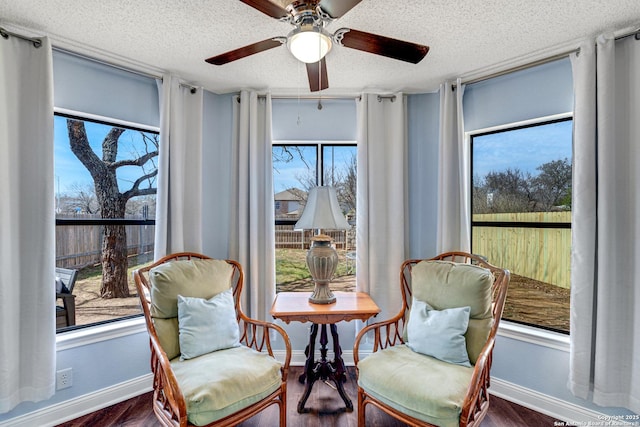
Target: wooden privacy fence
point(80, 245)
point(542, 254)
point(288, 238)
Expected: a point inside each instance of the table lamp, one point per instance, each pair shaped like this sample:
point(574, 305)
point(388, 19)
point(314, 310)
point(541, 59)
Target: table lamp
point(322, 211)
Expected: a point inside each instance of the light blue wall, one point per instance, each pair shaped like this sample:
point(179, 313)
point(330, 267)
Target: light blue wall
point(422, 132)
point(95, 366)
point(217, 173)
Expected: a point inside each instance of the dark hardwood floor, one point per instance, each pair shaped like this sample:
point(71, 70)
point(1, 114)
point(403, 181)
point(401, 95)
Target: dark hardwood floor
point(325, 409)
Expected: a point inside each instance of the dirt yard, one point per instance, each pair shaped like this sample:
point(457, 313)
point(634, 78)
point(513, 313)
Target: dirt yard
point(537, 302)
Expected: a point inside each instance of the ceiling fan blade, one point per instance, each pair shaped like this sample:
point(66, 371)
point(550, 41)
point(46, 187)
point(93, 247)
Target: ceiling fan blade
point(337, 8)
point(242, 52)
point(317, 73)
point(268, 8)
point(385, 46)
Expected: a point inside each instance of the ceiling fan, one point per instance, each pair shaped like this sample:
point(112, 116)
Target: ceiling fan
point(309, 42)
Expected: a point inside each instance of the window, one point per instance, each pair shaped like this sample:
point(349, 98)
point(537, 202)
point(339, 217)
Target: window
point(521, 216)
point(296, 169)
point(105, 176)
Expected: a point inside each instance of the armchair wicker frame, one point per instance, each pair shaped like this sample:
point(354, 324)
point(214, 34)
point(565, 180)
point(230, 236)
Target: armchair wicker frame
point(168, 401)
point(390, 332)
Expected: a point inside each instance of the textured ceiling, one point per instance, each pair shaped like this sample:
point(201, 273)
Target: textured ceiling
point(176, 36)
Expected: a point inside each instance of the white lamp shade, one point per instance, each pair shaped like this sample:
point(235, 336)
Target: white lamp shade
point(322, 211)
point(309, 45)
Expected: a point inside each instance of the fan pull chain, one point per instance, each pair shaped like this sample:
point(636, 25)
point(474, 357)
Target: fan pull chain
point(299, 121)
point(320, 75)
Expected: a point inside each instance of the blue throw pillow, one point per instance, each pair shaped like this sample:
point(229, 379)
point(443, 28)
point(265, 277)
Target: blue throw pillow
point(207, 325)
point(439, 333)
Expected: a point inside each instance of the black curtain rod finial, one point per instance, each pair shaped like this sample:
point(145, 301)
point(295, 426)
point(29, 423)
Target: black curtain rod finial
point(5, 34)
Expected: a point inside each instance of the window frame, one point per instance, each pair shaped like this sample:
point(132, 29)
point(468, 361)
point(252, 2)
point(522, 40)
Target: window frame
point(78, 335)
point(540, 335)
point(319, 144)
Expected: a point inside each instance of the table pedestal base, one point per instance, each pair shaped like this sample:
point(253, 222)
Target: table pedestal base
point(323, 369)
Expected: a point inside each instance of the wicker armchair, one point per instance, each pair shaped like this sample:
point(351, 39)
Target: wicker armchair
point(420, 390)
point(235, 383)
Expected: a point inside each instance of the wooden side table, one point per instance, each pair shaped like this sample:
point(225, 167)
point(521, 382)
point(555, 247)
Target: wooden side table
point(295, 306)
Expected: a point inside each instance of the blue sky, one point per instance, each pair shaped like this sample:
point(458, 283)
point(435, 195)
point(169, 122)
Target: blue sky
point(288, 174)
point(285, 174)
point(69, 171)
point(525, 149)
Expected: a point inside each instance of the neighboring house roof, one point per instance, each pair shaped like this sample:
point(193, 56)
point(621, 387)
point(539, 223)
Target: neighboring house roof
point(292, 194)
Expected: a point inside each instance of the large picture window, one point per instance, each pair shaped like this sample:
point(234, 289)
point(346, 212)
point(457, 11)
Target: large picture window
point(105, 176)
point(521, 216)
point(296, 169)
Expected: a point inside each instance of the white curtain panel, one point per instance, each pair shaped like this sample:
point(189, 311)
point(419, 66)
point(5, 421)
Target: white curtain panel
point(27, 218)
point(179, 198)
point(604, 325)
point(381, 239)
point(583, 236)
point(454, 215)
point(252, 241)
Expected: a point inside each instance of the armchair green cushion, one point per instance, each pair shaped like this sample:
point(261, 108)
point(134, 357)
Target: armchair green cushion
point(420, 386)
point(220, 383)
point(446, 284)
point(199, 278)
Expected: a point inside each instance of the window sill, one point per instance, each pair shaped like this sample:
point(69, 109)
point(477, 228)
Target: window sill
point(534, 335)
point(94, 334)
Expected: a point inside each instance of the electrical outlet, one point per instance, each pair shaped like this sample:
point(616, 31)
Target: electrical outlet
point(64, 378)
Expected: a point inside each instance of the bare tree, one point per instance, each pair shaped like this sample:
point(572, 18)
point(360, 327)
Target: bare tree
point(515, 191)
point(84, 198)
point(346, 185)
point(508, 191)
point(111, 200)
point(552, 186)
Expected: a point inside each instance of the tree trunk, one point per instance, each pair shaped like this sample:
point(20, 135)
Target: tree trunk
point(114, 245)
point(114, 262)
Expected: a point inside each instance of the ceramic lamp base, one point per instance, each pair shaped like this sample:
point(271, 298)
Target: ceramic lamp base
point(322, 294)
point(322, 260)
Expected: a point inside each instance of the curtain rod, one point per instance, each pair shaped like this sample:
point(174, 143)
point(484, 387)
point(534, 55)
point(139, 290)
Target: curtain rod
point(5, 34)
point(320, 98)
point(520, 67)
point(311, 97)
point(635, 33)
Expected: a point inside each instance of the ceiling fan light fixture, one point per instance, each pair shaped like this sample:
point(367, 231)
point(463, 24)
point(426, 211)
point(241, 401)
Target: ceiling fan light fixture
point(309, 44)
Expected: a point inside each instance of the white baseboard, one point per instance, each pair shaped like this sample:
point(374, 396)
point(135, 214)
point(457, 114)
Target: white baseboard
point(83, 405)
point(545, 404)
